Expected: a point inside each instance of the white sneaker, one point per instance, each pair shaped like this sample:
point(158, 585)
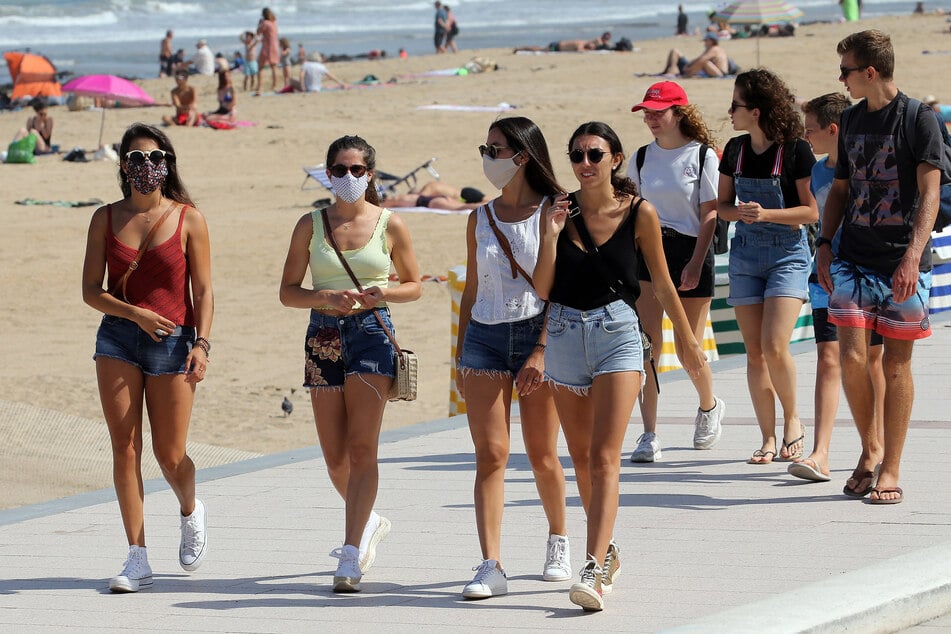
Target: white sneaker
point(191, 551)
point(611, 568)
point(557, 560)
point(708, 426)
point(587, 592)
point(489, 581)
point(648, 448)
point(347, 577)
point(136, 573)
point(374, 532)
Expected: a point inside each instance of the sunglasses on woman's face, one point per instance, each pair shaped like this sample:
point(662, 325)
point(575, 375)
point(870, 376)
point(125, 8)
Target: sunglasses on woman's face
point(492, 151)
point(138, 157)
point(339, 170)
point(594, 155)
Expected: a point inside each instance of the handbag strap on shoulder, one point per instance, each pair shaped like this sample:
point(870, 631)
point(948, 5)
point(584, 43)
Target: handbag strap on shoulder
point(506, 246)
point(134, 264)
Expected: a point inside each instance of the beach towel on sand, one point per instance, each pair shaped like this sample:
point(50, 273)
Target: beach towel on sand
point(502, 107)
point(61, 203)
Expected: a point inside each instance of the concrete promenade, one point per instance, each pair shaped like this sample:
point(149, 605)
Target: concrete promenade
point(708, 543)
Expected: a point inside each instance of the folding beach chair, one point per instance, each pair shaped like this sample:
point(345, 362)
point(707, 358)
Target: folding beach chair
point(386, 183)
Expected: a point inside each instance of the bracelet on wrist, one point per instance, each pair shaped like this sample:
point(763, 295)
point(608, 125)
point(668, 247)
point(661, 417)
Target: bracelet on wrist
point(540, 346)
point(204, 344)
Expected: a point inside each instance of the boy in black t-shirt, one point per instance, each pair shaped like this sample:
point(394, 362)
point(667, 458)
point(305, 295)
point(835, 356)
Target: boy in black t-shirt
point(885, 197)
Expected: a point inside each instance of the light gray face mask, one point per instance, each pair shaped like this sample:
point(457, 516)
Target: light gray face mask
point(499, 171)
point(349, 188)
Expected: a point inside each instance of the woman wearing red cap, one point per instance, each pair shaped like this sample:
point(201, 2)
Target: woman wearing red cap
point(764, 186)
point(678, 174)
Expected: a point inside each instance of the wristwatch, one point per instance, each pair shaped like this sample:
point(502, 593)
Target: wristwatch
point(820, 241)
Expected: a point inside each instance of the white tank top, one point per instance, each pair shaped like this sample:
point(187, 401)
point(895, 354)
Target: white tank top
point(500, 298)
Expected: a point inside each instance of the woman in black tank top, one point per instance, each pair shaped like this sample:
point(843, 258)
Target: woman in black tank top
point(594, 354)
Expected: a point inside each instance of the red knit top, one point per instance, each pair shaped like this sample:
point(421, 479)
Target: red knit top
point(161, 282)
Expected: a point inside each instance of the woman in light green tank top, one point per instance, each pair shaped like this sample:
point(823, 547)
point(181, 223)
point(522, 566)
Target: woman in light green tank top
point(349, 360)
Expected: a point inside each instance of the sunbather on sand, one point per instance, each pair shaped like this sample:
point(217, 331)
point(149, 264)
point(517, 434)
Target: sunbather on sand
point(438, 195)
point(597, 44)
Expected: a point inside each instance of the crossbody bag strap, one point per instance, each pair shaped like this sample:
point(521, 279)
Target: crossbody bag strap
point(330, 238)
point(506, 247)
point(134, 264)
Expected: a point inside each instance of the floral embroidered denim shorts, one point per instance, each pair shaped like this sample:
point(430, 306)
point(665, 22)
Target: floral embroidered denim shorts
point(337, 347)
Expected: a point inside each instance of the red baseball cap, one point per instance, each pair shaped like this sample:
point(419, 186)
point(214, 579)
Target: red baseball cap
point(661, 96)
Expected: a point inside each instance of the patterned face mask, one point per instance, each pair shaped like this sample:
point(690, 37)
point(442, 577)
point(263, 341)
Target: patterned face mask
point(147, 177)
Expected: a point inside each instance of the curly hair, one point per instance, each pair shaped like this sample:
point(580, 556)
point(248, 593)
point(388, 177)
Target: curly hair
point(172, 188)
point(778, 119)
point(352, 142)
point(623, 186)
point(693, 126)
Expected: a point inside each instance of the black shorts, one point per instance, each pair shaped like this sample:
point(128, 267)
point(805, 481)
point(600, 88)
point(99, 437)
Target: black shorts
point(826, 332)
point(678, 249)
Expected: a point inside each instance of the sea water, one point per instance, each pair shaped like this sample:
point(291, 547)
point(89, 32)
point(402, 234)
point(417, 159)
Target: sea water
point(122, 36)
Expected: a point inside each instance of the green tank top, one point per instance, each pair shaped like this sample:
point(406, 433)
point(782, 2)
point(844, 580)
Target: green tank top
point(370, 263)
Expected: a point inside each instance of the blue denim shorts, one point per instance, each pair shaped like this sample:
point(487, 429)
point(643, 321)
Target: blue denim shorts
point(122, 339)
point(585, 343)
point(337, 347)
point(768, 264)
point(500, 347)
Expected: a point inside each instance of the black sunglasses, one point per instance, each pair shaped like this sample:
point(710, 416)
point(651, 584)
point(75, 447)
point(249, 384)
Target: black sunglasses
point(339, 171)
point(137, 157)
point(844, 71)
point(734, 106)
point(594, 155)
point(493, 150)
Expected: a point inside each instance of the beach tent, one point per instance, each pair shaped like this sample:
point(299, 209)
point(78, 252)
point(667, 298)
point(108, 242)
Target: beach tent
point(33, 76)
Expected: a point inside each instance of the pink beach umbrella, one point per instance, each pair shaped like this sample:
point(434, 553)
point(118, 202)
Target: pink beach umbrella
point(108, 87)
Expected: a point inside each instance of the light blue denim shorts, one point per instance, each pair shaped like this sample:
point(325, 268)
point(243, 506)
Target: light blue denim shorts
point(583, 344)
point(122, 339)
point(768, 264)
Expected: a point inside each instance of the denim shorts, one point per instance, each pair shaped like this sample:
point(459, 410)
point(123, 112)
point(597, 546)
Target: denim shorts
point(500, 347)
point(583, 344)
point(122, 339)
point(337, 347)
point(862, 298)
point(768, 264)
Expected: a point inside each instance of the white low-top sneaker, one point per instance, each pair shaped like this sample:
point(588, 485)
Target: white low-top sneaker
point(194, 543)
point(648, 448)
point(489, 581)
point(347, 577)
point(557, 560)
point(708, 426)
point(587, 592)
point(136, 573)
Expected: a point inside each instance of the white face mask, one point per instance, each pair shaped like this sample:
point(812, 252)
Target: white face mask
point(499, 171)
point(349, 188)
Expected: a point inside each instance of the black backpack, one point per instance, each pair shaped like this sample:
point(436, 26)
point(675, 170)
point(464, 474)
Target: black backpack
point(721, 236)
point(943, 219)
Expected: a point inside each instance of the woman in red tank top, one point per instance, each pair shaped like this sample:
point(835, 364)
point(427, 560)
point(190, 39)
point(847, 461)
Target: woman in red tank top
point(152, 346)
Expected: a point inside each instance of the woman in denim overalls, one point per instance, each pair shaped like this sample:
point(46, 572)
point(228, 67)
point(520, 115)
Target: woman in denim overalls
point(764, 185)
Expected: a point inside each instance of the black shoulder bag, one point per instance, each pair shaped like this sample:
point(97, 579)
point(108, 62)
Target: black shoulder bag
point(614, 282)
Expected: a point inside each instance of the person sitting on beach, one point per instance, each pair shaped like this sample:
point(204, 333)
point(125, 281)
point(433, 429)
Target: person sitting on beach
point(203, 61)
point(252, 77)
point(438, 195)
point(185, 101)
point(602, 43)
point(311, 78)
point(39, 125)
point(226, 112)
point(713, 62)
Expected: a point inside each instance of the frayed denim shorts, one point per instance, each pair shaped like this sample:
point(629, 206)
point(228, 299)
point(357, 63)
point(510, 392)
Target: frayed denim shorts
point(500, 347)
point(583, 344)
point(122, 339)
point(768, 264)
point(337, 347)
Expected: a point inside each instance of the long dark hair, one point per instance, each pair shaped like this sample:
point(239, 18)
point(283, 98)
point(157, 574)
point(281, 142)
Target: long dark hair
point(173, 188)
point(623, 186)
point(524, 136)
point(778, 117)
point(351, 142)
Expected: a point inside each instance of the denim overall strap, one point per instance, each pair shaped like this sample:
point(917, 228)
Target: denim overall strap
point(767, 192)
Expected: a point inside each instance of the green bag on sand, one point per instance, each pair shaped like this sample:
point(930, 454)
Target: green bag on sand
point(22, 151)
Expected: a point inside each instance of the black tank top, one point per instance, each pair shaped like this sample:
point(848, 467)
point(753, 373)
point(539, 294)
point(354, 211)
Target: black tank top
point(579, 285)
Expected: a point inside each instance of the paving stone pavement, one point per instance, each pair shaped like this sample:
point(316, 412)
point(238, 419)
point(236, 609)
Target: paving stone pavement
point(708, 543)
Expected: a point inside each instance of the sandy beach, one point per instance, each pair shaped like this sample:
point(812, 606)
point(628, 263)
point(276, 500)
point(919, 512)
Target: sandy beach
point(247, 182)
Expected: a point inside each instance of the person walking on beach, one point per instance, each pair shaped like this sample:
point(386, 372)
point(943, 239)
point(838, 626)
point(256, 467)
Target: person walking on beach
point(153, 342)
point(252, 74)
point(587, 268)
point(270, 45)
point(764, 187)
point(440, 28)
point(452, 29)
point(821, 124)
point(166, 56)
point(349, 363)
point(682, 185)
point(501, 344)
point(885, 197)
point(681, 21)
